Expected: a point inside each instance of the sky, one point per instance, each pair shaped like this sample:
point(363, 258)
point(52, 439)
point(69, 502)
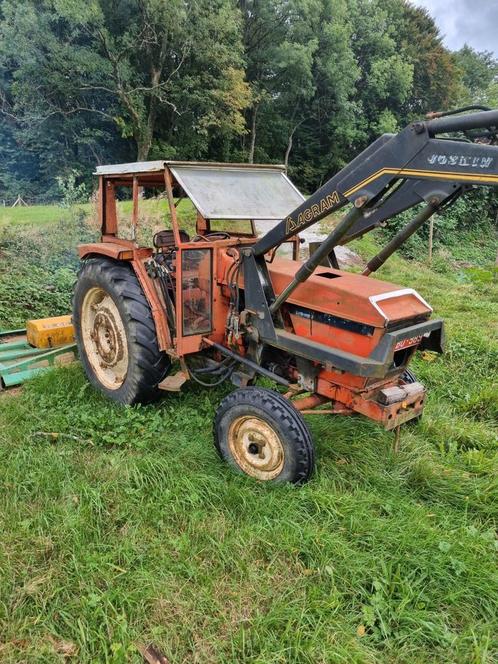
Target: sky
point(474, 22)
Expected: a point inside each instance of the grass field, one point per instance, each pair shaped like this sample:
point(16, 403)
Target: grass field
point(120, 526)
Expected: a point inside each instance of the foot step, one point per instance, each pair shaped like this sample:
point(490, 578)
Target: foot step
point(174, 382)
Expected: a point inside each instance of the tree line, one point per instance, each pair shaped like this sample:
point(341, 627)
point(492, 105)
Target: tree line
point(308, 83)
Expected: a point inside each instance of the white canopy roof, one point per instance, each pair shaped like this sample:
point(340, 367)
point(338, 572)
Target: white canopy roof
point(226, 191)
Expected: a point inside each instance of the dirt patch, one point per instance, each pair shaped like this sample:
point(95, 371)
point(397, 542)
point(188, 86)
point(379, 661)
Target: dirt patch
point(345, 256)
point(11, 391)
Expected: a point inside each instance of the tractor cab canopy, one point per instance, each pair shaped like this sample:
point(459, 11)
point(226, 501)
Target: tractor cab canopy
point(217, 191)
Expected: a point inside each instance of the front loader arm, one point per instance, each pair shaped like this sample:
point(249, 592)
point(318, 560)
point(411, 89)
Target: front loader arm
point(413, 154)
point(407, 194)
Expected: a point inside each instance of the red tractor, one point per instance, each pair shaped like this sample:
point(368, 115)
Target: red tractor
point(223, 305)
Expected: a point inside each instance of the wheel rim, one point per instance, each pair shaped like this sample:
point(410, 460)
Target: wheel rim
point(256, 447)
point(104, 338)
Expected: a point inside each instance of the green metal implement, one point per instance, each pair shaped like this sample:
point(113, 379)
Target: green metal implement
point(19, 361)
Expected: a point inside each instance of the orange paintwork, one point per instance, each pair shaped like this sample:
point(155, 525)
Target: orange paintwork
point(345, 295)
point(390, 416)
point(352, 342)
point(351, 297)
point(117, 249)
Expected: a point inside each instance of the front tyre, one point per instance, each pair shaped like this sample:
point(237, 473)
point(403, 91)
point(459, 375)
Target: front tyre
point(261, 434)
point(115, 332)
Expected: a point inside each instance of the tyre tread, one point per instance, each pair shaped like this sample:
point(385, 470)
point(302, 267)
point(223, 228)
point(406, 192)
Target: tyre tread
point(281, 409)
point(149, 365)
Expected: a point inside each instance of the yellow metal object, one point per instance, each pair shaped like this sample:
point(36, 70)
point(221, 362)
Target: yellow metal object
point(428, 356)
point(50, 332)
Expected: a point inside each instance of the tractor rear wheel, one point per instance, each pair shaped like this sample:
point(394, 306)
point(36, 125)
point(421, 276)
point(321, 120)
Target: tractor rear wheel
point(115, 332)
point(261, 434)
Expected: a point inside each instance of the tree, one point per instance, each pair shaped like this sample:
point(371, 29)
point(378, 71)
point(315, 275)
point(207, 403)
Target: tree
point(265, 25)
point(479, 72)
point(436, 79)
point(129, 62)
point(306, 82)
point(303, 72)
point(324, 138)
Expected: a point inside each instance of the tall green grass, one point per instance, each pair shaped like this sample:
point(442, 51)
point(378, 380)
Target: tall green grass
point(37, 215)
point(38, 252)
point(121, 526)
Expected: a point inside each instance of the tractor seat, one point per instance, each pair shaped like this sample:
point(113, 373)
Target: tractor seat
point(165, 239)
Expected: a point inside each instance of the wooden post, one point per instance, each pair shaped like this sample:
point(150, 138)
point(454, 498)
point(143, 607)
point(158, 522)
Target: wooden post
point(431, 237)
point(20, 201)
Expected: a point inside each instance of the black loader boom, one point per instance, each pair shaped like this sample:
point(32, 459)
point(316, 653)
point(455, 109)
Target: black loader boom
point(421, 164)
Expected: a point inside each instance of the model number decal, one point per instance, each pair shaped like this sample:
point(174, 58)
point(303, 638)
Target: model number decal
point(406, 343)
point(460, 160)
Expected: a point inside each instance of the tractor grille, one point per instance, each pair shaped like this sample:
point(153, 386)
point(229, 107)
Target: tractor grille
point(329, 319)
point(407, 322)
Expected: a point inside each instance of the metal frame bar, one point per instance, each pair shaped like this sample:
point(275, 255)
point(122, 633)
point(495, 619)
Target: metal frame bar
point(134, 213)
point(17, 372)
point(248, 363)
point(168, 182)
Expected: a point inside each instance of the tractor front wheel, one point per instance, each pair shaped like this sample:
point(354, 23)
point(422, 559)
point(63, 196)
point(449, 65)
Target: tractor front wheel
point(261, 434)
point(115, 332)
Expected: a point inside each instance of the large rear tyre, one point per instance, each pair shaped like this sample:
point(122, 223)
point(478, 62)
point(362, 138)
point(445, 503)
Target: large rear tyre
point(261, 434)
point(115, 332)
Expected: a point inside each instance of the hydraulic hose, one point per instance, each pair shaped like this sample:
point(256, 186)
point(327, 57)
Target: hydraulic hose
point(400, 237)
